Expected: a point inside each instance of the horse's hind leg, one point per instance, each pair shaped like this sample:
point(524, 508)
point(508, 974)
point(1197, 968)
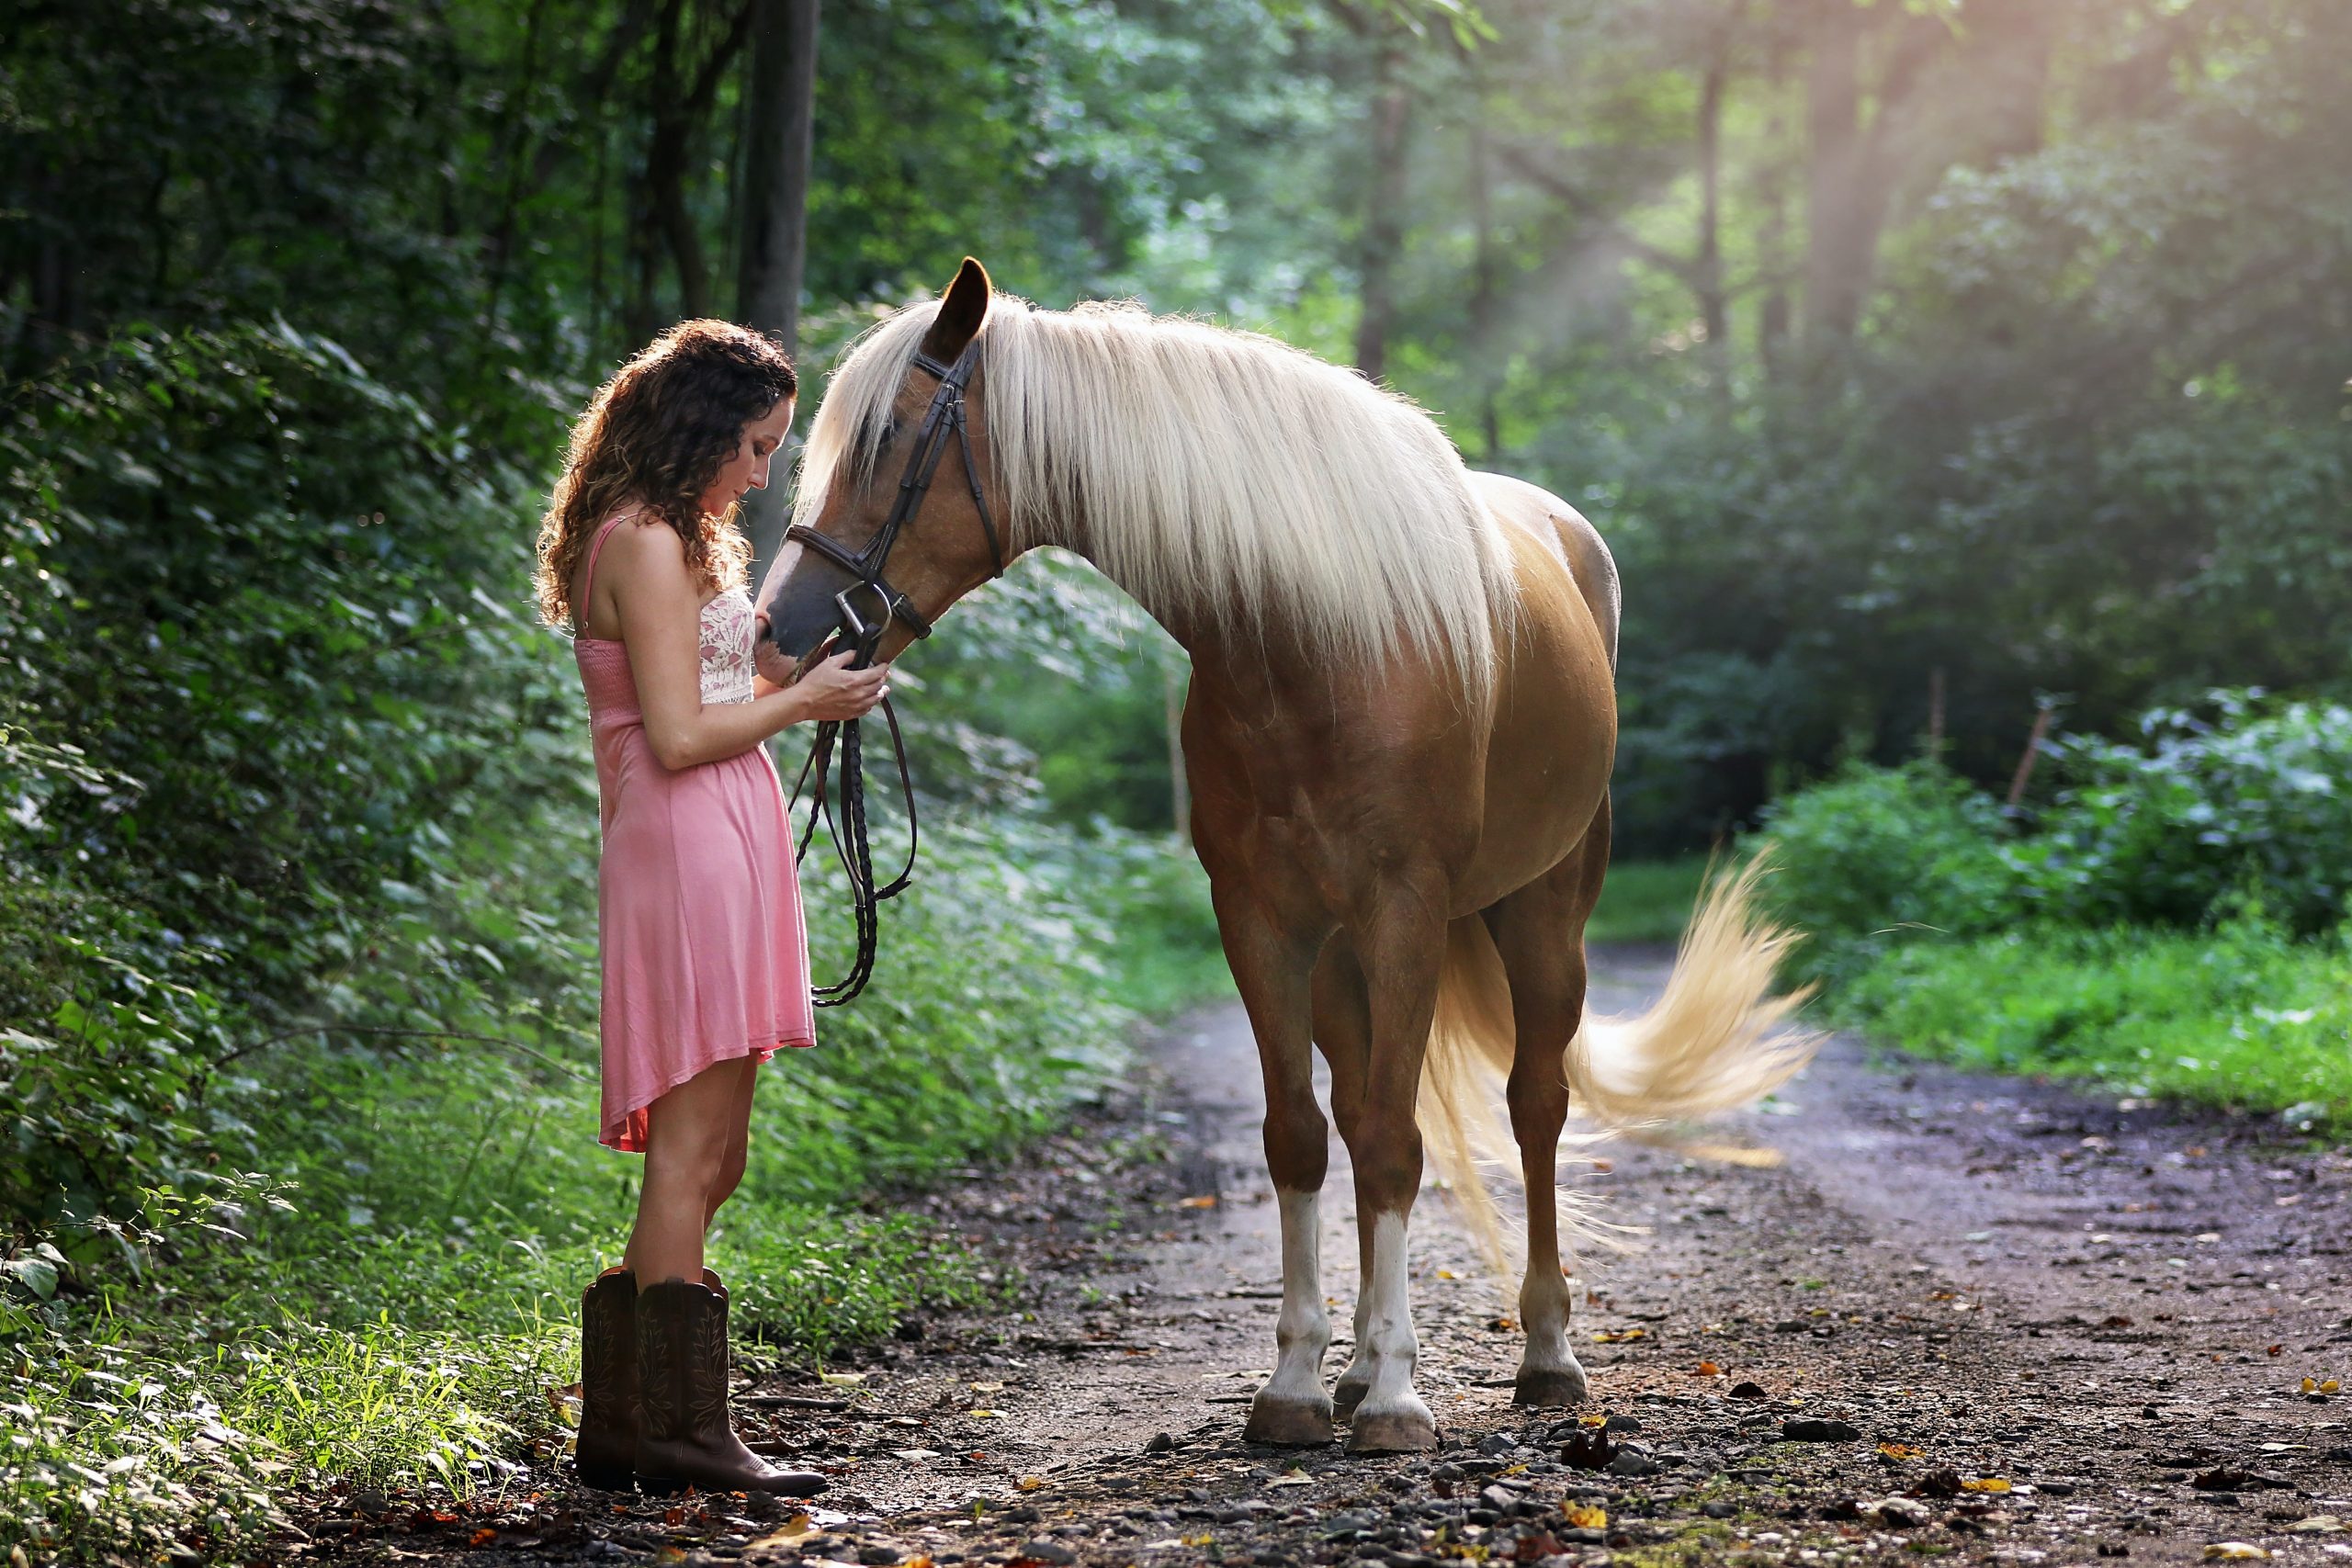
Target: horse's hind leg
point(1539, 932)
point(1270, 970)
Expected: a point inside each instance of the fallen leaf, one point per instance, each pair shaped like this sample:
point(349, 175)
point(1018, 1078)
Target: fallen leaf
point(482, 1537)
point(791, 1531)
point(1618, 1335)
point(1030, 1483)
point(988, 1388)
point(1295, 1478)
point(2234, 1551)
point(1206, 1202)
point(2318, 1524)
point(1899, 1450)
point(1447, 1274)
point(1707, 1370)
point(1984, 1484)
point(986, 1415)
point(842, 1380)
point(2274, 1350)
point(1586, 1517)
point(914, 1456)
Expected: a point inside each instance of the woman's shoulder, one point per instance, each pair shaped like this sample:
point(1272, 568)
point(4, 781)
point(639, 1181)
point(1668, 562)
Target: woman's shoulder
point(644, 536)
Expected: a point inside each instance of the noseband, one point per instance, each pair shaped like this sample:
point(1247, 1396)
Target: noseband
point(942, 421)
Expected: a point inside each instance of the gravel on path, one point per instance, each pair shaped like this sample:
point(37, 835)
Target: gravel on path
point(1965, 1318)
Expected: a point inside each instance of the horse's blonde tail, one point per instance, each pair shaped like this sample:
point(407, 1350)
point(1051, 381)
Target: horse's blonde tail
point(1711, 1042)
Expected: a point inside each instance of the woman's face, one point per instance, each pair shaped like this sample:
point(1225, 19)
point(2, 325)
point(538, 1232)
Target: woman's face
point(747, 470)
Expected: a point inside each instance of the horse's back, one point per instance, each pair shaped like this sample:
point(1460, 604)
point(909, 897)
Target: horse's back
point(1567, 537)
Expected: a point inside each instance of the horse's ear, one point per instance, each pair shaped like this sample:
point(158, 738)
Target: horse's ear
point(961, 311)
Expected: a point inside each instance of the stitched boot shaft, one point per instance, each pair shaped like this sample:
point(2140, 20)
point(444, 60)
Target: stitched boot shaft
point(608, 1401)
point(686, 1434)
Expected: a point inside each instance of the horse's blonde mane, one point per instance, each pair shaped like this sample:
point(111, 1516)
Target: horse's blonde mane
point(1211, 473)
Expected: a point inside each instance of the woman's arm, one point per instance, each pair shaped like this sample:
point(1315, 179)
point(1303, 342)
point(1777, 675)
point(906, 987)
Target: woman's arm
point(659, 607)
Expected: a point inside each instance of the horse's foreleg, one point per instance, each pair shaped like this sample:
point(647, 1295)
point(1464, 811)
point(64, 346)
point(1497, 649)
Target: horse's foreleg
point(1343, 1029)
point(1270, 970)
point(1400, 949)
point(1539, 932)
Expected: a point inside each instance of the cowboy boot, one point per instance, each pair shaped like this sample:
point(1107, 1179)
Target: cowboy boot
point(686, 1435)
point(607, 1455)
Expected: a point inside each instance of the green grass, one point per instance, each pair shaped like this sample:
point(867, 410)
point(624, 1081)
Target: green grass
point(396, 1303)
point(1646, 901)
point(2240, 1016)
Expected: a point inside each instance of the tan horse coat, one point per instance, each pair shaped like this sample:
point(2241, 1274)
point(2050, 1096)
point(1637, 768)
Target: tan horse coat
point(1402, 869)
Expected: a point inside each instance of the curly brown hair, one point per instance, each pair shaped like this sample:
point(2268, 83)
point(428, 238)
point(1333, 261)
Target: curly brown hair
point(658, 433)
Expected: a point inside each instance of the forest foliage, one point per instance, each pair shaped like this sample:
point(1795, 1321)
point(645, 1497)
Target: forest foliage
point(1928, 366)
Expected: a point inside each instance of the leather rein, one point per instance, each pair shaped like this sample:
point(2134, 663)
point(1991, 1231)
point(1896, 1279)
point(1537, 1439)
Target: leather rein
point(942, 422)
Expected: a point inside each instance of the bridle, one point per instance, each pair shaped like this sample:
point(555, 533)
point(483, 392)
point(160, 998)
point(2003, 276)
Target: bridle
point(942, 421)
point(945, 420)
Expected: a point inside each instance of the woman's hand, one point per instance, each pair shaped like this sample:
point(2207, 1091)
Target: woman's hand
point(831, 690)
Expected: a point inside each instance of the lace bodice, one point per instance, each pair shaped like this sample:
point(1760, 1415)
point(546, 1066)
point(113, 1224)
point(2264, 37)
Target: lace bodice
point(729, 624)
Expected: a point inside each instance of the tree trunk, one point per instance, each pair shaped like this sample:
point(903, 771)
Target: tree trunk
point(1383, 223)
point(780, 123)
point(1714, 310)
point(2012, 41)
point(1833, 285)
point(1483, 291)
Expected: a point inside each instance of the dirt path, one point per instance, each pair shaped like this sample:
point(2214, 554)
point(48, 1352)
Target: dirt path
point(2056, 1329)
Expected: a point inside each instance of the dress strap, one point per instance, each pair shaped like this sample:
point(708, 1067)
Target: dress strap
point(588, 583)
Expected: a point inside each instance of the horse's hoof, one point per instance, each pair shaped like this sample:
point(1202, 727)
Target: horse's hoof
point(1550, 1388)
point(1394, 1432)
point(1349, 1395)
point(1291, 1422)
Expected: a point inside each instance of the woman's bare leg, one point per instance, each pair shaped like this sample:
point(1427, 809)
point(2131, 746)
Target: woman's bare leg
point(686, 1143)
point(739, 1145)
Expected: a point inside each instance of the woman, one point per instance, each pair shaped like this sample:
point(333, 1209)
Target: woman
point(706, 962)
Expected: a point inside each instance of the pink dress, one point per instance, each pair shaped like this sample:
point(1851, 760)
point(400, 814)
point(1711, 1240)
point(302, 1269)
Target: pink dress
point(705, 959)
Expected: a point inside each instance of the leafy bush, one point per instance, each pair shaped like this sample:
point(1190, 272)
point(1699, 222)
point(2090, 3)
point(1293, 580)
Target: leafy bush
point(1874, 855)
point(2239, 1015)
point(2163, 833)
point(298, 1174)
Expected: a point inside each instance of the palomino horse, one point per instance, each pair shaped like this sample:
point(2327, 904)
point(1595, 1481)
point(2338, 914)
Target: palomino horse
point(1399, 738)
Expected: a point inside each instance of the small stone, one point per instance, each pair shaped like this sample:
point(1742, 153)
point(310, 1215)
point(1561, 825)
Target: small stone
point(1160, 1443)
point(1497, 1443)
point(1046, 1549)
point(1624, 1423)
point(1815, 1429)
point(878, 1554)
point(1631, 1460)
point(1748, 1391)
point(1498, 1497)
point(1899, 1513)
point(1720, 1510)
point(371, 1502)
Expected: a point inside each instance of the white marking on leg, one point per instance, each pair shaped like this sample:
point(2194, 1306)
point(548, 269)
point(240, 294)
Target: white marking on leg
point(1357, 1375)
point(1303, 1329)
point(1388, 1334)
